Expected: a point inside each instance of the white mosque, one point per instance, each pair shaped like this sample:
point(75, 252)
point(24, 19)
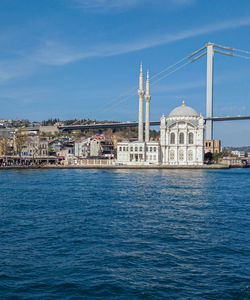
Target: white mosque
point(181, 137)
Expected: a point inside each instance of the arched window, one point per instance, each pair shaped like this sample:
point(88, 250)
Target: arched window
point(171, 155)
point(172, 138)
point(191, 138)
point(190, 155)
point(181, 138)
point(181, 155)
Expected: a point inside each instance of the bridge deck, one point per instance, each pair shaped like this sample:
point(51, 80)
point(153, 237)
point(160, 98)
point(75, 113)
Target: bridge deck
point(135, 124)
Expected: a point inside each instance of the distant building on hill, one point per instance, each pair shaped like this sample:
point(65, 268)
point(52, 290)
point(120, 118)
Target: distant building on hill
point(238, 153)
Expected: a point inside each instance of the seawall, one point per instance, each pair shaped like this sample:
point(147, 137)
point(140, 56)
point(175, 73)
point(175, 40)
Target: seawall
point(203, 167)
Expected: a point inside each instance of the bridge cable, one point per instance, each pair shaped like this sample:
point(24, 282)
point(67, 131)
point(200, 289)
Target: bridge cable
point(127, 95)
point(232, 49)
point(152, 83)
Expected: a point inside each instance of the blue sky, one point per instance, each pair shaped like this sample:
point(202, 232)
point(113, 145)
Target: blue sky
point(69, 58)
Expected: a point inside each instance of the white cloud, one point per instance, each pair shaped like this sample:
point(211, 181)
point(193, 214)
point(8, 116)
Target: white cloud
point(103, 6)
point(55, 53)
point(52, 53)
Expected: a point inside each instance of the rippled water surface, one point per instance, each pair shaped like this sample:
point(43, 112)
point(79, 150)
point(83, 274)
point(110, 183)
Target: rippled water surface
point(125, 234)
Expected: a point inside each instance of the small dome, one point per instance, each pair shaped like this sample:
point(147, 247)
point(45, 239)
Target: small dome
point(183, 111)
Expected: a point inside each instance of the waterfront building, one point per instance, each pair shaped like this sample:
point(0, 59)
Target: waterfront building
point(238, 153)
point(140, 152)
point(212, 146)
point(33, 146)
point(95, 145)
point(6, 146)
point(102, 147)
point(55, 145)
point(181, 136)
point(133, 153)
point(82, 148)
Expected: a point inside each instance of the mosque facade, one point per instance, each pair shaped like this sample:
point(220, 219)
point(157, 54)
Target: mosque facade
point(181, 137)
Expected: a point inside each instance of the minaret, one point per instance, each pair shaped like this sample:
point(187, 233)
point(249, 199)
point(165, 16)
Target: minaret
point(140, 117)
point(147, 100)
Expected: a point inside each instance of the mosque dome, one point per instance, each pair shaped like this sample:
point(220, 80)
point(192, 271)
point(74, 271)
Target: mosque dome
point(183, 111)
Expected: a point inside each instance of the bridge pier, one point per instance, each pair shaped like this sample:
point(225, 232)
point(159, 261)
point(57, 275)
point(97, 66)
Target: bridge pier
point(209, 104)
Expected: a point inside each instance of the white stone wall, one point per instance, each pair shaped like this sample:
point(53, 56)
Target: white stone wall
point(182, 152)
point(138, 153)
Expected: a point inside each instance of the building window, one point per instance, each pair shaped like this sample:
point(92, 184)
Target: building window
point(124, 148)
point(181, 138)
point(172, 138)
point(140, 148)
point(150, 149)
point(120, 148)
point(154, 157)
point(190, 155)
point(150, 157)
point(131, 148)
point(146, 148)
point(191, 138)
point(136, 149)
point(154, 149)
point(171, 155)
point(181, 155)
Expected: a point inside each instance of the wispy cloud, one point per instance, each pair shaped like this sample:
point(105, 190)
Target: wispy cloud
point(53, 53)
point(104, 6)
point(221, 79)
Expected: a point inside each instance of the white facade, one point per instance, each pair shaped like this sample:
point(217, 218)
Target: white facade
point(182, 137)
point(82, 148)
point(138, 153)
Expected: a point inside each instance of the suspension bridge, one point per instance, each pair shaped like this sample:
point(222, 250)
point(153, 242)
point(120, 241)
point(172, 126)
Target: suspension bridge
point(209, 50)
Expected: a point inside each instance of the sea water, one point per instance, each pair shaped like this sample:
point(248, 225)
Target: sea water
point(125, 234)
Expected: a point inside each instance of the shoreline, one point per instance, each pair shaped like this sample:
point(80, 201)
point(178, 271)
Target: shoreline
point(203, 167)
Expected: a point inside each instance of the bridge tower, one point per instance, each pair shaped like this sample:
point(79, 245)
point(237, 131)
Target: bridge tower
point(147, 110)
point(140, 116)
point(209, 102)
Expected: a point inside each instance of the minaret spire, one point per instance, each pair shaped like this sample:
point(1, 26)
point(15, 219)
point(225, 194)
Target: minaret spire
point(140, 115)
point(147, 111)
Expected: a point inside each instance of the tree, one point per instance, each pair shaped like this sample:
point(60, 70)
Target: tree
point(216, 156)
point(3, 146)
point(19, 141)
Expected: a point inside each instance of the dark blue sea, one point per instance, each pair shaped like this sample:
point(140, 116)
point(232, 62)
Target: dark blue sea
point(125, 234)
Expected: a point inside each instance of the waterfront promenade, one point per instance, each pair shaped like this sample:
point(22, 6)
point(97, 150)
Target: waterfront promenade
point(113, 166)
